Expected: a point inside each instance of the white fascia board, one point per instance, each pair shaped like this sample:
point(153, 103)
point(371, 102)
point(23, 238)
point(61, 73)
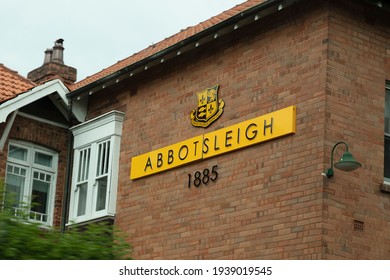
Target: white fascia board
point(103, 126)
point(32, 95)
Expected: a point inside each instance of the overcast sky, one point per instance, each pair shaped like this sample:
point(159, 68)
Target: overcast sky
point(97, 33)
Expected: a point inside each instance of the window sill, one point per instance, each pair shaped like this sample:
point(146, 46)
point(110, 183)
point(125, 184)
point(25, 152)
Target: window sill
point(385, 187)
point(107, 219)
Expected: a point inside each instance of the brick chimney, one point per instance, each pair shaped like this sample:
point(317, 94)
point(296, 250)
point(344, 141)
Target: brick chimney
point(53, 67)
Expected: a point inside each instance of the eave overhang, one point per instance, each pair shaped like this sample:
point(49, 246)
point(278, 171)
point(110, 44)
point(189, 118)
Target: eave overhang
point(210, 34)
point(28, 97)
point(188, 44)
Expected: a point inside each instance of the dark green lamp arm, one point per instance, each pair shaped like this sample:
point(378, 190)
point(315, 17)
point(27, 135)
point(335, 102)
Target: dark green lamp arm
point(329, 173)
point(346, 163)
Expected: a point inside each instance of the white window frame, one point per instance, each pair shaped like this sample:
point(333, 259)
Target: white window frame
point(31, 168)
point(88, 136)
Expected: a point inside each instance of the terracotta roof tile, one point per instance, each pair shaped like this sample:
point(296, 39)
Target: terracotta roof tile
point(12, 84)
point(167, 42)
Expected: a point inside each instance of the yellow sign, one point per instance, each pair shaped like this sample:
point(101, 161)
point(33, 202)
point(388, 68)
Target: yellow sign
point(166, 158)
point(244, 134)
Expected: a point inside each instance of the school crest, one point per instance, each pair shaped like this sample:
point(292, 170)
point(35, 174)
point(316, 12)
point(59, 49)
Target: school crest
point(209, 107)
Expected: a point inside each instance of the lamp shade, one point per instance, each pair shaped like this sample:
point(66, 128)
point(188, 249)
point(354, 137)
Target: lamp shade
point(347, 162)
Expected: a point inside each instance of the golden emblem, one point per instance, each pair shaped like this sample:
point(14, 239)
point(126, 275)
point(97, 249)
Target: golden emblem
point(209, 107)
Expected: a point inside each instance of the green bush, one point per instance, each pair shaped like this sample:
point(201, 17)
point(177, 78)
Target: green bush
point(21, 239)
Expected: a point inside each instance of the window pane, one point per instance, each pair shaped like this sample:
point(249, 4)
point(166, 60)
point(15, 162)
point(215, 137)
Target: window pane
point(103, 158)
point(387, 158)
point(43, 159)
point(17, 153)
point(101, 194)
point(38, 216)
point(387, 111)
point(83, 171)
point(82, 199)
point(39, 198)
point(14, 190)
point(15, 179)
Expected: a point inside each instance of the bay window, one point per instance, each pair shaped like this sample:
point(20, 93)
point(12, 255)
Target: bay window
point(95, 167)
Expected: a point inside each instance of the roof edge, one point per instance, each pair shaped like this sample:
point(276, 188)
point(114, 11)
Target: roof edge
point(266, 8)
point(32, 95)
point(179, 45)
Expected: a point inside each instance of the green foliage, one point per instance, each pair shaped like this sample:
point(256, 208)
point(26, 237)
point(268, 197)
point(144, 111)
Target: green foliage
point(21, 239)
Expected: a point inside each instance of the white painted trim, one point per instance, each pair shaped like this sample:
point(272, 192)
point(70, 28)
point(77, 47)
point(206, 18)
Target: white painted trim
point(98, 128)
point(30, 96)
point(28, 116)
point(98, 121)
point(7, 129)
point(79, 108)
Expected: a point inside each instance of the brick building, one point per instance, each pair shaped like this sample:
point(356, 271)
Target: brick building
point(215, 143)
point(329, 59)
point(35, 141)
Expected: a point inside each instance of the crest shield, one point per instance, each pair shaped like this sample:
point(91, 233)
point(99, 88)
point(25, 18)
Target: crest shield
point(209, 107)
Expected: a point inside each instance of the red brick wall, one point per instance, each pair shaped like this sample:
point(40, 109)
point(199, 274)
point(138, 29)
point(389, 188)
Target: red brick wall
point(270, 200)
point(355, 113)
point(45, 135)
